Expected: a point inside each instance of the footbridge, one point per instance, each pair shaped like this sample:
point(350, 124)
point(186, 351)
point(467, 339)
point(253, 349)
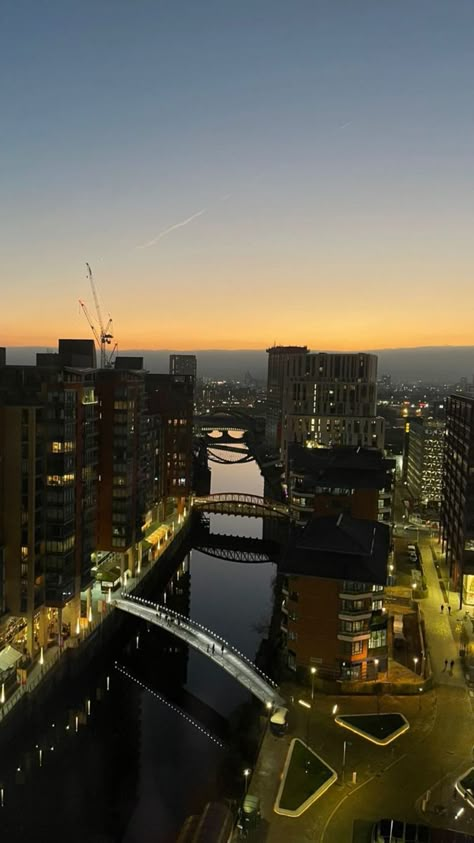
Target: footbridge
point(232, 503)
point(207, 643)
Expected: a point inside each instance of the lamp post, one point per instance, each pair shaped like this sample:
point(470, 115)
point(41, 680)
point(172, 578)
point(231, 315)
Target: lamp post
point(308, 706)
point(420, 691)
point(247, 772)
point(313, 674)
point(415, 662)
point(344, 751)
point(376, 665)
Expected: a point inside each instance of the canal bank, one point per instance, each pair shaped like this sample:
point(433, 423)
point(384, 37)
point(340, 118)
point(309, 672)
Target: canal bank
point(58, 665)
point(139, 743)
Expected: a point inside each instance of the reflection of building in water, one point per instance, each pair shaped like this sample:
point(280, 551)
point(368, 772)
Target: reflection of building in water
point(175, 652)
point(87, 750)
point(214, 825)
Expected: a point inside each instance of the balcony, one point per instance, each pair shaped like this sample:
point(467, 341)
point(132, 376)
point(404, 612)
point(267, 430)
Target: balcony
point(359, 614)
point(349, 594)
point(354, 636)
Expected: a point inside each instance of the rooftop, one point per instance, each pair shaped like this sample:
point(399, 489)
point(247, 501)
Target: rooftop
point(339, 547)
point(343, 467)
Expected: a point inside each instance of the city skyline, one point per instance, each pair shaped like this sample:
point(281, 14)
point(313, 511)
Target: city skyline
point(207, 162)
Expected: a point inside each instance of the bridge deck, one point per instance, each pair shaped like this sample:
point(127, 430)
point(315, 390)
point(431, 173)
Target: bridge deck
point(203, 640)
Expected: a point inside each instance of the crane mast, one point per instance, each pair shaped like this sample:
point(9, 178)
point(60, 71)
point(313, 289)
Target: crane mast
point(103, 334)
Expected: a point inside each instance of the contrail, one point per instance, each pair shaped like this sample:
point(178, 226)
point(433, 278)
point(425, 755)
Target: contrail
point(345, 125)
point(171, 228)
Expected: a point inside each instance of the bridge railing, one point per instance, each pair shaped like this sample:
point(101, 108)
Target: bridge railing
point(238, 499)
point(188, 622)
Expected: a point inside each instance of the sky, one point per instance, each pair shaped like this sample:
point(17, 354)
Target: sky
point(238, 172)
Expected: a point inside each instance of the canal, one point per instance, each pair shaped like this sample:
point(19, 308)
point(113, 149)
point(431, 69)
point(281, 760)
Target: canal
point(153, 730)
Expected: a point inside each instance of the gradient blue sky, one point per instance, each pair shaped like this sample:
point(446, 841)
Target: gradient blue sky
point(328, 145)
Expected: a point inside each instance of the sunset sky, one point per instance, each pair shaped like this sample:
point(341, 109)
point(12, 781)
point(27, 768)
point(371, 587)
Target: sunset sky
point(238, 172)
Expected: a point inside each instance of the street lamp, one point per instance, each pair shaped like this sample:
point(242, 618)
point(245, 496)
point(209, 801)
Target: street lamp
point(344, 750)
point(376, 663)
point(308, 706)
point(334, 709)
point(313, 674)
point(420, 691)
point(415, 662)
point(247, 772)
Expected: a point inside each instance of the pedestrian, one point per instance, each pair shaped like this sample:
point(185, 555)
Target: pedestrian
point(213, 649)
point(207, 648)
point(442, 607)
point(222, 648)
point(445, 664)
point(451, 664)
point(449, 609)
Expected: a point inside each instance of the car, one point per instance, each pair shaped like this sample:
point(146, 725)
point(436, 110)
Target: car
point(279, 721)
point(412, 548)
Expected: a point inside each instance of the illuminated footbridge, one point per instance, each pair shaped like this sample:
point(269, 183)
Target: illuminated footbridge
point(206, 642)
point(232, 503)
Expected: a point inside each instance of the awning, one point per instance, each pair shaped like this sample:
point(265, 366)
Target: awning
point(9, 658)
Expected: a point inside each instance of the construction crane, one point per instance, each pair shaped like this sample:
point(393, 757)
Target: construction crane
point(102, 333)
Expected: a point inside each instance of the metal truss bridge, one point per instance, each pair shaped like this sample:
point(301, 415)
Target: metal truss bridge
point(233, 503)
point(228, 418)
point(236, 548)
point(207, 643)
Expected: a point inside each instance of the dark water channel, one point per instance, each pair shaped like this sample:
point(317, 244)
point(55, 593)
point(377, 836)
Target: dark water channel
point(109, 759)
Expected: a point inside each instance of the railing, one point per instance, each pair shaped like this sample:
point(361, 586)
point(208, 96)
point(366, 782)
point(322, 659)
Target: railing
point(236, 500)
point(38, 673)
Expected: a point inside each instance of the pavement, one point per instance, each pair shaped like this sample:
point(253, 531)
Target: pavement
point(52, 655)
point(413, 778)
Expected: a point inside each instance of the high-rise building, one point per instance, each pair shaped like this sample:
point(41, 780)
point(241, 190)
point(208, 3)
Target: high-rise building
point(170, 397)
point(457, 498)
point(319, 399)
point(282, 360)
point(183, 364)
point(126, 463)
point(85, 455)
point(49, 445)
point(425, 460)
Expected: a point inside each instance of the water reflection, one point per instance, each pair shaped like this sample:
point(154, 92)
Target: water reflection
point(119, 764)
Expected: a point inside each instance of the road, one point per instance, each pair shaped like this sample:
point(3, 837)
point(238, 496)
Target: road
point(391, 781)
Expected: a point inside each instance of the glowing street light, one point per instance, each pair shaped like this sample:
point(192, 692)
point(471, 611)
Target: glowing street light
point(415, 662)
point(41, 658)
point(335, 708)
point(247, 772)
point(2, 693)
point(313, 674)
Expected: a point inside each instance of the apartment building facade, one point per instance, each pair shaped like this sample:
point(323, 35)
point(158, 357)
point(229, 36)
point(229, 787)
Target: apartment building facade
point(333, 618)
point(318, 399)
point(425, 454)
point(457, 497)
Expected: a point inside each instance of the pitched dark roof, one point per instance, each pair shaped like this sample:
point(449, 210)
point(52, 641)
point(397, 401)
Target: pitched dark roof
point(339, 547)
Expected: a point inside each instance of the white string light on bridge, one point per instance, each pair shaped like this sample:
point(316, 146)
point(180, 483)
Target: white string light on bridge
point(174, 708)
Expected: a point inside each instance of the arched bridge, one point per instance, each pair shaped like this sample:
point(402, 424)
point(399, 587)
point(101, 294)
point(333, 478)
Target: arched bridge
point(207, 643)
point(228, 418)
point(233, 503)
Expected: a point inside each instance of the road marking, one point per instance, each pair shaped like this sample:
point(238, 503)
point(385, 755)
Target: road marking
point(351, 792)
